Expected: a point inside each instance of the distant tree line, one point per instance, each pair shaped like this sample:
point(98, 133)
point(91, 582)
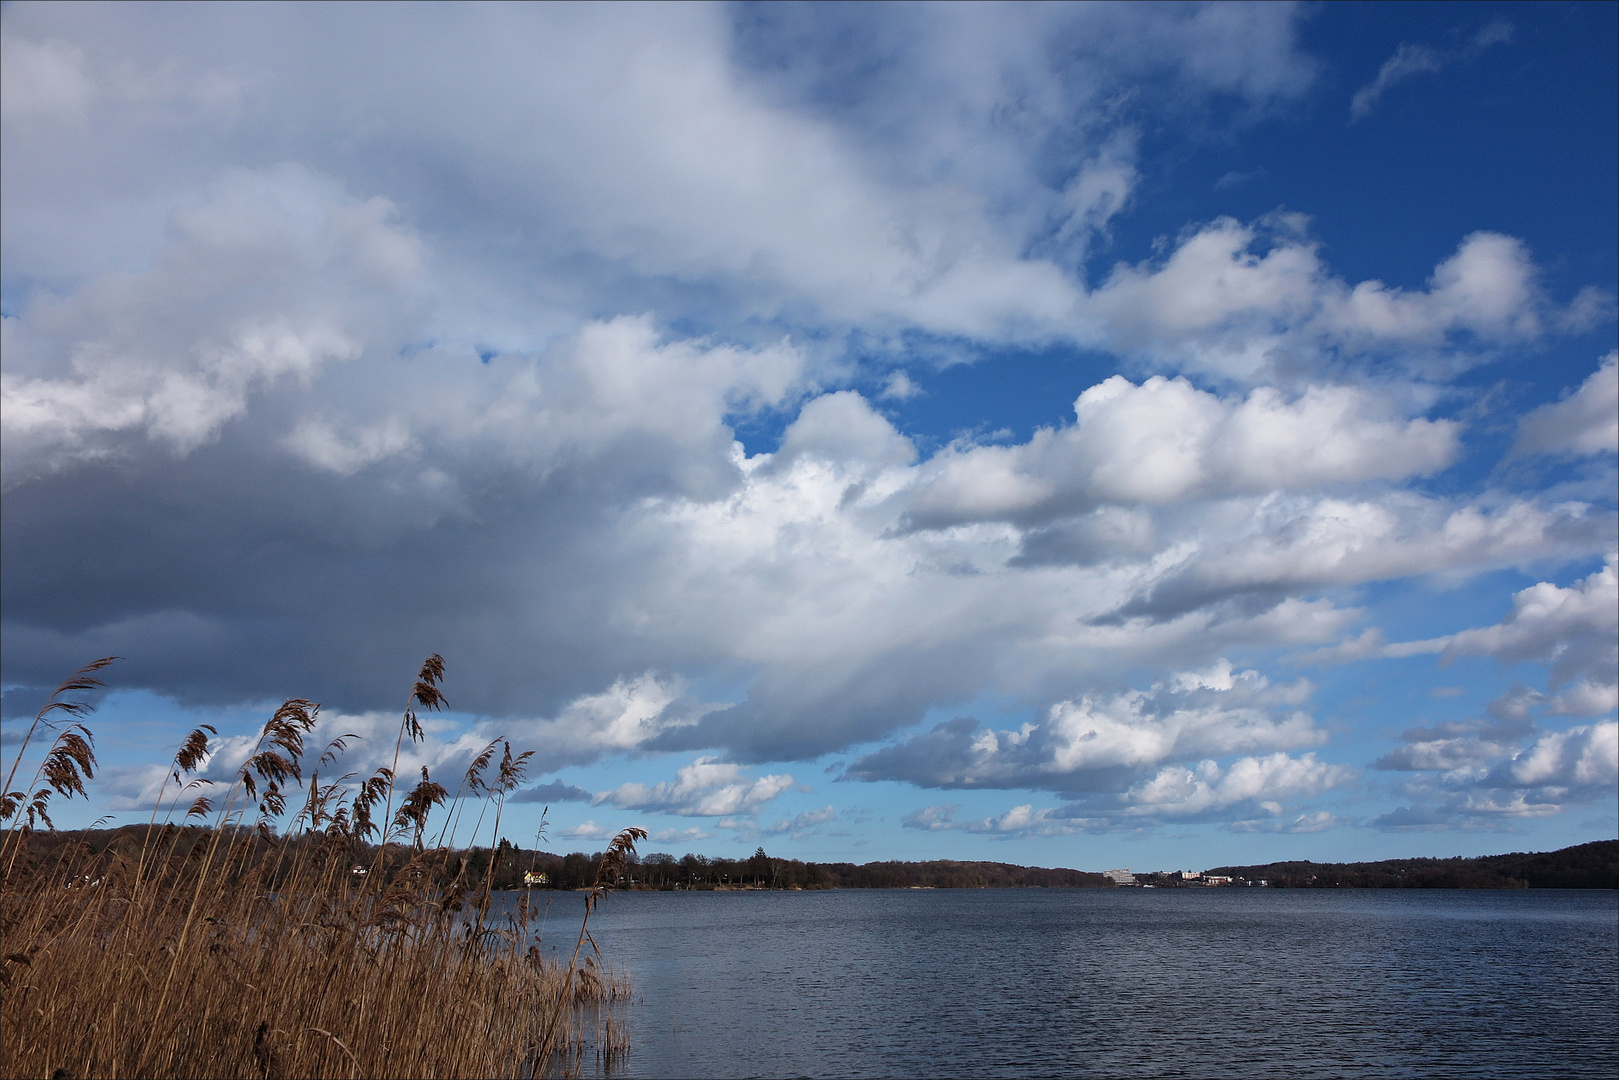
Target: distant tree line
point(516, 868)
point(762, 871)
point(1585, 866)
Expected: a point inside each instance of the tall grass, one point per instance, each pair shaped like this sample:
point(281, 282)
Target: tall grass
point(241, 941)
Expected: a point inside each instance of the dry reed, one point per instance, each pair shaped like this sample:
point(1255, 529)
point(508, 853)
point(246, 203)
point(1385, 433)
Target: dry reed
point(226, 949)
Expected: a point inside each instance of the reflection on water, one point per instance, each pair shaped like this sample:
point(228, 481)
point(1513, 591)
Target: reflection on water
point(1116, 982)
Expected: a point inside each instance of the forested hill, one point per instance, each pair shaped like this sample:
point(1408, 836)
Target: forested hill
point(1586, 866)
point(949, 874)
point(762, 871)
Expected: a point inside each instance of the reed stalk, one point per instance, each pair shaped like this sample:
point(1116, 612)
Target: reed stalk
point(224, 950)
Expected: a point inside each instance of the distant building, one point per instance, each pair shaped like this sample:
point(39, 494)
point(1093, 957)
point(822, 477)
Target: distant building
point(1120, 877)
point(532, 878)
point(1190, 875)
point(1216, 879)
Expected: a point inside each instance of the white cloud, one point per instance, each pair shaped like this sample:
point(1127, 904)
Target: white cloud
point(705, 788)
point(1217, 304)
point(627, 714)
point(1020, 821)
point(1312, 822)
point(1025, 820)
point(1408, 60)
point(586, 830)
point(467, 370)
point(900, 387)
point(276, 276)
point(1371, 644)
point(1210, 790)
point(1205, 792)
point(322, 445)
point(1289, 543)
point(1099, 741)
point(1575, 630)
point(1166, 441)
point(1584, 423)
point(805, 822)
point(1578, 757)
point(1472, 775)
point(1445, 753)
point(1411, 59)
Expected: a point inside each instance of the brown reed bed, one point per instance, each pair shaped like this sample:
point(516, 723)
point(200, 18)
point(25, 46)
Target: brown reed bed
point(293, 946)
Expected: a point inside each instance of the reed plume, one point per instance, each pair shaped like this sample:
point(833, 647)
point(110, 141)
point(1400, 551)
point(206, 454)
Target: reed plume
point(236, 941)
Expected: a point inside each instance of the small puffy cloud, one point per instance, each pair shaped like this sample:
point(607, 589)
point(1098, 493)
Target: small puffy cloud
point(842, 428)
point(900, 387)
point(932, 818)
point(705, 788)
point(1211, 791)
point(1099, 742)
point(1584, 423)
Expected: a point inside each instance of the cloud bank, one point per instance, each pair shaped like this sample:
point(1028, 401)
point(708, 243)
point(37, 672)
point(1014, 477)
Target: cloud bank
point(322, 355)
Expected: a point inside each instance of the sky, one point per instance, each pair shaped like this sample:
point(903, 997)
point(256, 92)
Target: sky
point(1103, 435)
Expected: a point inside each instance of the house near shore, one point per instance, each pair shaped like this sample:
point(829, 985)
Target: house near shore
point(1120, 876)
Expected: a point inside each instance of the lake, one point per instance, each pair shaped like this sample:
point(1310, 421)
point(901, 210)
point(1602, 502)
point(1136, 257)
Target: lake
point(1113, 982)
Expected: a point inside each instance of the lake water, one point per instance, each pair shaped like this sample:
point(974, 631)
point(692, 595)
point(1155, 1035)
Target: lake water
point(1114, 982)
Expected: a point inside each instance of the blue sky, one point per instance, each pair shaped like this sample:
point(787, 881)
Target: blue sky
point(1150, 435)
